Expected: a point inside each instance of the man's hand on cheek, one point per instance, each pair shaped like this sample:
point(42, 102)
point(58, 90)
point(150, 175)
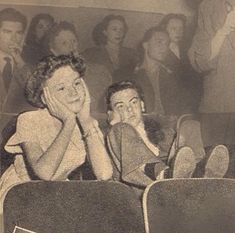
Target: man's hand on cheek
point(114, 117)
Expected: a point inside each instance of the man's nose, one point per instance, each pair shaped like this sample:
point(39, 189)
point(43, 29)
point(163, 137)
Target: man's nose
point(14, 37)
point(130, 109)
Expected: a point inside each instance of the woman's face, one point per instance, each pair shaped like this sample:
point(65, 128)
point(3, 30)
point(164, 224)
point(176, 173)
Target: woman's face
point(175, 29)
point(41, 28)
point(65, 43)
point(67, 87)
point(115, 32)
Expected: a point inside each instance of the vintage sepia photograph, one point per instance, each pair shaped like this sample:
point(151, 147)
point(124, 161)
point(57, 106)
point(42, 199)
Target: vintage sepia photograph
point(117, 116)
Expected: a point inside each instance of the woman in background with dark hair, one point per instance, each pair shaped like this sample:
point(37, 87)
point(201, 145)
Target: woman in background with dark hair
point(34, 48)
point(109, 36)
point(174, 24)
point(63, 40)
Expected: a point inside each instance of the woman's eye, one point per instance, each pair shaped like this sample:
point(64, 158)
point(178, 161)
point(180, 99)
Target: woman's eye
point(60, 89)
point(78, 83)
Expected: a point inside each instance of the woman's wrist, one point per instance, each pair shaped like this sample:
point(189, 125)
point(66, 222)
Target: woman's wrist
point(87, 124)
point(69, 122)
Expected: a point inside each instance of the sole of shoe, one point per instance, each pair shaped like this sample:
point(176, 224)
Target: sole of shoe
point(184, 163)
point(218, 162)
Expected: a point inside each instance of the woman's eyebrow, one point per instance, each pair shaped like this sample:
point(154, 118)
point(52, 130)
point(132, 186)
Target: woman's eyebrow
point(58, 84)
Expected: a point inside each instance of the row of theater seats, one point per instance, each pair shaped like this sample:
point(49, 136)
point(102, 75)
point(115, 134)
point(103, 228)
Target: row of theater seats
point(169, 206)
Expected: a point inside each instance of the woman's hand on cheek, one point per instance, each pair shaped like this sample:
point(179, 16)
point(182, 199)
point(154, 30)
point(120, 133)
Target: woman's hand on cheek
point(84, 115)
point(56, 108)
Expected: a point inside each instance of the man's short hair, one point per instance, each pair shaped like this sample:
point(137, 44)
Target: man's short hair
point(12, 15)
point(147, 36)
point(120, 86)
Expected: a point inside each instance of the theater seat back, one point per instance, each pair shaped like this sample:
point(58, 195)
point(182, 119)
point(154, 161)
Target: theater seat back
point(76, 206)
point(190, 206)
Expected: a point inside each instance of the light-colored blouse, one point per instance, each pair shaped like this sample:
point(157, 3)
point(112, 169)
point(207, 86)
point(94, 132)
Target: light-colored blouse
point(42, 128)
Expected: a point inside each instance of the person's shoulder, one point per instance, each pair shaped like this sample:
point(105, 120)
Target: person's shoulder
point(129, 51)
point(34, 117)
point(91, 51)
point(95, 68)
point(151, 123)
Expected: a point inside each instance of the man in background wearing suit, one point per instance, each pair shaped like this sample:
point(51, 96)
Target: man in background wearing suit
point(13, 71)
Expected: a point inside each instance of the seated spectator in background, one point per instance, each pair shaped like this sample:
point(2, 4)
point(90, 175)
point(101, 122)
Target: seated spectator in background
point(52, 141)
point(63, 39)
point(135, 144)
point(34, 47)
point(162, 85)
point(109, 37)
point(174, 24)
point(177, 58)
point(13, 72)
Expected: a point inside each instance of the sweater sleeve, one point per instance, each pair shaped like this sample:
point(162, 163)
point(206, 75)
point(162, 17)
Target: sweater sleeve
point(200, 51)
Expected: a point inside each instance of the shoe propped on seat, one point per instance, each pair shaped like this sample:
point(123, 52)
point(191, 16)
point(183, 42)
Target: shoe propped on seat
point(217, 163)
point(184, 163)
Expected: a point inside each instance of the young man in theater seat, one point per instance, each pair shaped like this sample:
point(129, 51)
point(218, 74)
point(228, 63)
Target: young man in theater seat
point(139, 147)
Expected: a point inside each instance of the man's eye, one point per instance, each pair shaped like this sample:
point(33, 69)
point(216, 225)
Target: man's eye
point(120, 106)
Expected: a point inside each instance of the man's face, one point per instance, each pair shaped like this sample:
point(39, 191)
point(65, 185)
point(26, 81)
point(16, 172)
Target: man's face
point(158, 46)
point(128, 106)
point(11, 35)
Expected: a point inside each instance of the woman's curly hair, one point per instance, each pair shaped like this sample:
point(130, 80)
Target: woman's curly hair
point(45, 69)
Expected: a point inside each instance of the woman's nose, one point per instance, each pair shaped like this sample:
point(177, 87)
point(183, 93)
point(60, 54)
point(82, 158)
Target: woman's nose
point(72, 91)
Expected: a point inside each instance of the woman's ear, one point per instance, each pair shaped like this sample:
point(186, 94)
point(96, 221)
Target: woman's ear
point(142, 106)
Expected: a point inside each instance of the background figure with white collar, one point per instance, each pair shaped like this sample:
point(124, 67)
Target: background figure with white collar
point(13, 70)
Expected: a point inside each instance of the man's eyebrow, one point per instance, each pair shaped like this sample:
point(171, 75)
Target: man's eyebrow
point(120, 102)
point(135, 97)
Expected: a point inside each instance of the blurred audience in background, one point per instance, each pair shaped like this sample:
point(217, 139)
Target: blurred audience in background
point(109, 36)
point(63, 40)
point(34, 47)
